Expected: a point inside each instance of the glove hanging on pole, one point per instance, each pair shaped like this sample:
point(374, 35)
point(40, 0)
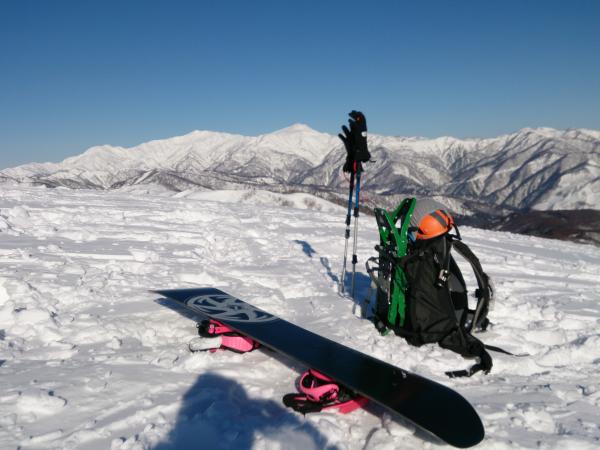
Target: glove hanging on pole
point(355, 141)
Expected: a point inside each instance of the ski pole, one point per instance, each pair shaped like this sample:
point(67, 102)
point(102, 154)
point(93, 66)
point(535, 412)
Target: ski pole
point(355, 142)
point(348, 218)
point(356, 205)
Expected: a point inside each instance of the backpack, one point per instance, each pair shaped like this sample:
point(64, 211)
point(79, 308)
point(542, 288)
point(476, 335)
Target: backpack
point(421, 293)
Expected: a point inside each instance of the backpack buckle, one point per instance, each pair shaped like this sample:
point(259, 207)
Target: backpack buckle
point(442, 278)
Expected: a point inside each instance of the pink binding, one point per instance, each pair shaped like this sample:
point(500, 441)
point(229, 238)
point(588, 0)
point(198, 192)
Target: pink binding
point(239, 343)
point(215, 327)
point(316, 393)
point(230, 339)
point(327, 392)
point(350, 405)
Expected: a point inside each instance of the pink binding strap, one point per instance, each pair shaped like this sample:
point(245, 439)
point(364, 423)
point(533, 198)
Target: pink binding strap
point(350, 405)
point(239, 344)
point(319, 392)
point(310, 385)
point(215, 327)
point(229, 338)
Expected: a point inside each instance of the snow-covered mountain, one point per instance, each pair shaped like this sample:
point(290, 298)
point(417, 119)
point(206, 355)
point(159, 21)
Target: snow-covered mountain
point(533, 168)
point(540, 168)
point(201, 158)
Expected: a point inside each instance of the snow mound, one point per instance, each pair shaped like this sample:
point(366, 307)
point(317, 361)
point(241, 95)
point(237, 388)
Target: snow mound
point(263, 198)
point(40, 401)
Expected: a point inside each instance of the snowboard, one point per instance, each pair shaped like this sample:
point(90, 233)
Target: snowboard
point(429, 405)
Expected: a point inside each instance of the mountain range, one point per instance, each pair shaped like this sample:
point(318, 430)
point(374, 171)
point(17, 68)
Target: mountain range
point(486, 180)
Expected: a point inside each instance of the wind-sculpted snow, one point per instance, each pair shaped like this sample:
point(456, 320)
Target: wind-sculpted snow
point(538, 168)
point(90, 359)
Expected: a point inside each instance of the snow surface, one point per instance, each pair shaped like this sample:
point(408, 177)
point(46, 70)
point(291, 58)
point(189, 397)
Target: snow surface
point(261, 197)
point(90, 359)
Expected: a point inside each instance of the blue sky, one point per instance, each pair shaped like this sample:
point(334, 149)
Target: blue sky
point(79, 73)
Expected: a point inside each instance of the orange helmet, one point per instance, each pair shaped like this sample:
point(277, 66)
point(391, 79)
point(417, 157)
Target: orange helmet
point(434, 224)
point(431, 219)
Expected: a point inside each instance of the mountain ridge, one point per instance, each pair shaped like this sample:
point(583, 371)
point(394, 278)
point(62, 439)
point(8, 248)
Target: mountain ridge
point(533, 168)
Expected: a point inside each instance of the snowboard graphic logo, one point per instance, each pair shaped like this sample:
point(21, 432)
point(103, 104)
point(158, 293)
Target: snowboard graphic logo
point(227, 308)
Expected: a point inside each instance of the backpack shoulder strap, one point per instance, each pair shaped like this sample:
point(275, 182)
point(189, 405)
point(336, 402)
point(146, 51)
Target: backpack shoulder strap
point(484, 293)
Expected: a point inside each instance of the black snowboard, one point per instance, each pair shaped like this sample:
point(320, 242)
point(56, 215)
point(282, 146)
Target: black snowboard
point(431, 406)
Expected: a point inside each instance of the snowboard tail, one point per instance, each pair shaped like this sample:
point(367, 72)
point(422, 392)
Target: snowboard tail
point(429, 405)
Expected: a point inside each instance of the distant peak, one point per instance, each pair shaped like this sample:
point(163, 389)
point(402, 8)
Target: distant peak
point(296, 128)
point(202, 133)
point(544, 131)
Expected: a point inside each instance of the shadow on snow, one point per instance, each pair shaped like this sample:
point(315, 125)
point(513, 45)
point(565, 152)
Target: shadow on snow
point(217, 413)
point(361, 281)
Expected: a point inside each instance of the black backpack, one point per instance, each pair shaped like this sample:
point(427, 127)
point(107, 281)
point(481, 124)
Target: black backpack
point(421, 293)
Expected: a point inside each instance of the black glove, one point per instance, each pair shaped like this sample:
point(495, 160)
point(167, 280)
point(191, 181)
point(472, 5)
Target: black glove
point(355, 141)
point(358, 128)
point(348, 143)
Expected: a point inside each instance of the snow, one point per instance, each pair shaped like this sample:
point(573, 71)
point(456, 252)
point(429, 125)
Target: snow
point(89, 358)
point(264, 198)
